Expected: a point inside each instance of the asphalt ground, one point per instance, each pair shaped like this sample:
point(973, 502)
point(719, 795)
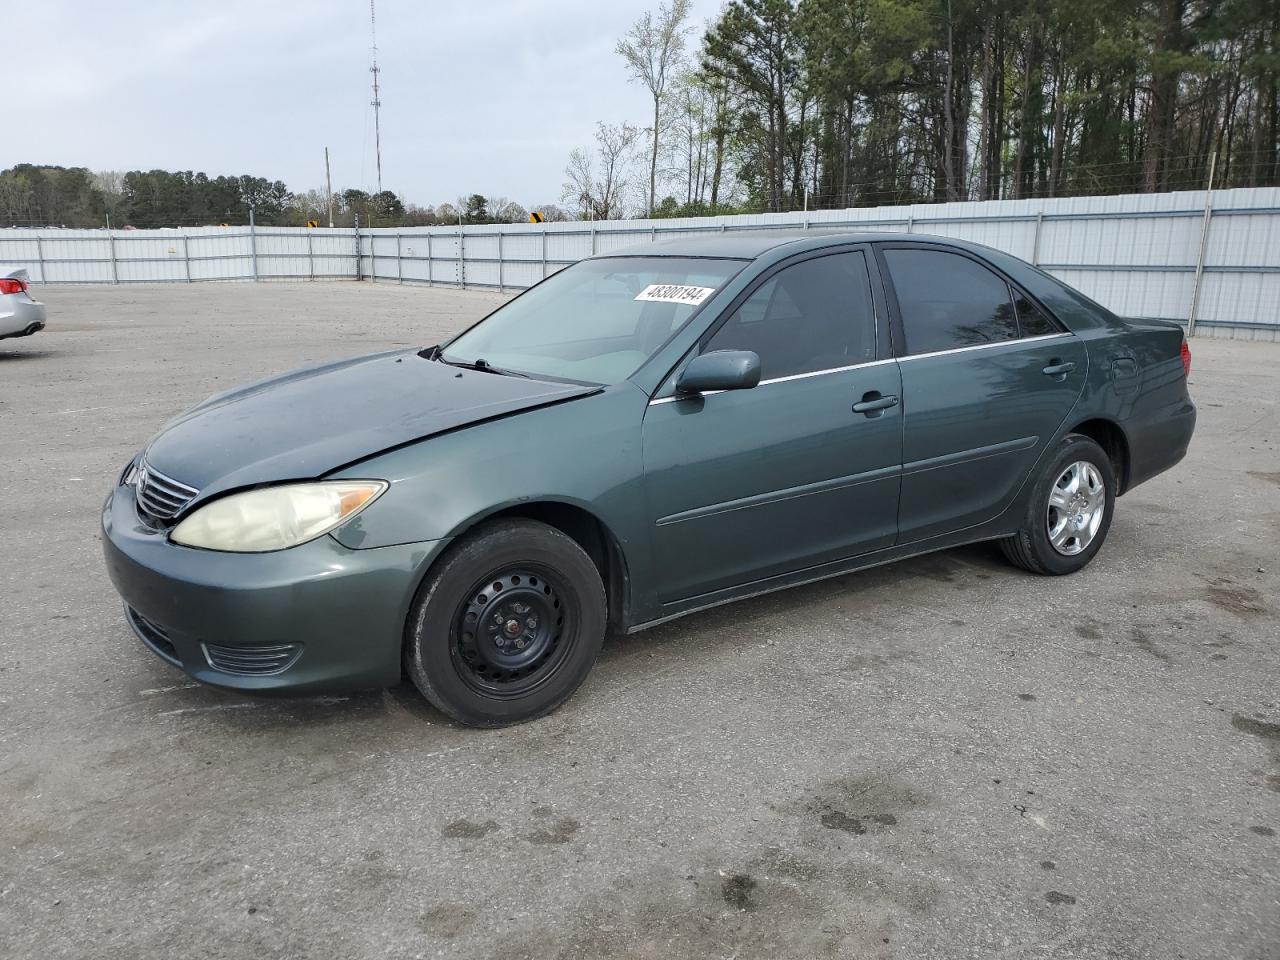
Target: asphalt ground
point(941, 758)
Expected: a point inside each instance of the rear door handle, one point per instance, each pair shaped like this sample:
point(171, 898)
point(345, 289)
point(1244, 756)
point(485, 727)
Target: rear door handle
point(872, 403)
point(1056, 369)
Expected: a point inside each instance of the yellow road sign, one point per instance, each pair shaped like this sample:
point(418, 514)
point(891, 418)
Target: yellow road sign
point(535, 217)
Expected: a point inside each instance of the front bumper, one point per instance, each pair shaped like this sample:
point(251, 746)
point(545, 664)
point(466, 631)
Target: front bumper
point(340, 613)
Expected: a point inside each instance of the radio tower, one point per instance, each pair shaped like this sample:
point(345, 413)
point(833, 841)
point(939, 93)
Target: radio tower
point(376, 101)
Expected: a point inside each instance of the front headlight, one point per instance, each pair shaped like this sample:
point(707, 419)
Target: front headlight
point(274, 518)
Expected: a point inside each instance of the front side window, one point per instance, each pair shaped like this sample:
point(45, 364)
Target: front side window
point(597, 321)
point(949, 301)
point(815, 315)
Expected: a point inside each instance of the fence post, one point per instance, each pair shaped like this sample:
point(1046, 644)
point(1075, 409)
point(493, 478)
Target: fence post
point(253, 245)
point(399, 262)
point(1204, 241)
point(40, 257)
point(356, 228)
point(111, 241)
point(431, 275)
point(1035, 243)
point(186, 257)
point(501, 288)
point(311, 257)
point(593, 238)
point(544, 253)
point(911, 217)
point(462, 264)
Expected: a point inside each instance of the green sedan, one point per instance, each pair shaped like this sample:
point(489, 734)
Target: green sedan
point(642, 435)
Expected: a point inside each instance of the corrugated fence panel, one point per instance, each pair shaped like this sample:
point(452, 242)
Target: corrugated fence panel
point(1136, 254)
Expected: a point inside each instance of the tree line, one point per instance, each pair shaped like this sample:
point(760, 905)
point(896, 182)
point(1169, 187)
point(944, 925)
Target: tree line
point(782, 104)
point(44, 196)
point(785, 104)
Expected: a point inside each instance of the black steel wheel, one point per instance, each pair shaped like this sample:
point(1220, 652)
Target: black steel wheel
point(511, 632)
point(506, 624)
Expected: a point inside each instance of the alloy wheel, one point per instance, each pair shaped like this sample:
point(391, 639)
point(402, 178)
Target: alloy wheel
point(1077, 504)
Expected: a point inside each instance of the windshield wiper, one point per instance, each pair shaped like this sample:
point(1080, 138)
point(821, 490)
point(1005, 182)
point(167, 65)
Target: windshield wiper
point(479, 363)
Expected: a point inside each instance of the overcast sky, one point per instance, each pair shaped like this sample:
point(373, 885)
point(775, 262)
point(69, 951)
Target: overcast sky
point(486, 96)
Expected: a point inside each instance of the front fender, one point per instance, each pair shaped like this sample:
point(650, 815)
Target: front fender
point(586, 454)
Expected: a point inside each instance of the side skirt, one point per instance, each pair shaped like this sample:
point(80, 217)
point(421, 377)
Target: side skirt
point(835, 568)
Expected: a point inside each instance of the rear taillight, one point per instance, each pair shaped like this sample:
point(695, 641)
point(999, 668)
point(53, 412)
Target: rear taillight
point(12, 285)
point(1186, 357)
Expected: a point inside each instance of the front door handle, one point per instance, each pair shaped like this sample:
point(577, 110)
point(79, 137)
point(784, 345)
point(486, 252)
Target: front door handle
point(872, 403)
point(1058, 369)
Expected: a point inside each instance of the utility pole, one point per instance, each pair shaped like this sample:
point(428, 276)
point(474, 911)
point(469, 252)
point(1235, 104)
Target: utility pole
point(376, 102)
point(328, 187)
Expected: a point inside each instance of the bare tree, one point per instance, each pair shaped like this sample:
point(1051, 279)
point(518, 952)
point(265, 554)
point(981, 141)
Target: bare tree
point(654, 50)
point(504, 210)
point(596, 183)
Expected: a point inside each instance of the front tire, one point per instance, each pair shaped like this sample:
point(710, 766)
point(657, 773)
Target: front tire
point(506, 625)
point(1069, 513)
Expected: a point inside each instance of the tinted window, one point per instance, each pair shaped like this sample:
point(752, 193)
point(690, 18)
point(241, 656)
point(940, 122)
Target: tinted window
point(1032, 321)
point(949, 301)
point(816, 315)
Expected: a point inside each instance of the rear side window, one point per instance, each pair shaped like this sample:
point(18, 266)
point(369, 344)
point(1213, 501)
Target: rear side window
point(814, 315)
point(1033, 321)
point(949, 301)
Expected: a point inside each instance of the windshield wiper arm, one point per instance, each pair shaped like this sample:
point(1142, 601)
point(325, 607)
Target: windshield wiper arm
point(479, 363)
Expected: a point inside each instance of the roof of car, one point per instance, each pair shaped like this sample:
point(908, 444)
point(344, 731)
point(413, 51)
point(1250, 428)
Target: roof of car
point(748, 244)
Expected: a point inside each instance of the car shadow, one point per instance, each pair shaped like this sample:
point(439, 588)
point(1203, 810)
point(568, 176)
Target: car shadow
point(708, 629)
point(26, 354)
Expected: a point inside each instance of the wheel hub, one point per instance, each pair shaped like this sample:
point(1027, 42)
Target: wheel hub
point(510, 627)
point(1077, 502)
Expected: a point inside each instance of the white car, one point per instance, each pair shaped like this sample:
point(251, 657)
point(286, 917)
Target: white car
point(20, 316)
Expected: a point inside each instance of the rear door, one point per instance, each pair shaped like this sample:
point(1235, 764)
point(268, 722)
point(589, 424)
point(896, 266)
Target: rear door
point(744, 485)
point(987, 379)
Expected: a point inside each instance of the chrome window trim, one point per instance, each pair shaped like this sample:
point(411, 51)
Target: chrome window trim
point(876, 363)
point(984, 346)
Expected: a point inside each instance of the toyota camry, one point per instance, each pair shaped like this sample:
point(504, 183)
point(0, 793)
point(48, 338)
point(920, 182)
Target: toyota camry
point(642, 435)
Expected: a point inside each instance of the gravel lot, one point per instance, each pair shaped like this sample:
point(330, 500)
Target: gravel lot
point(942, 758)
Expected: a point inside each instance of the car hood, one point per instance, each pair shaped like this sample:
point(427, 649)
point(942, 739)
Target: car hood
point(307, 423)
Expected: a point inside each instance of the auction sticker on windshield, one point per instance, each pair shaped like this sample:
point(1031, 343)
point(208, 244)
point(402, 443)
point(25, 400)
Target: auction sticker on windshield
point(674, 293)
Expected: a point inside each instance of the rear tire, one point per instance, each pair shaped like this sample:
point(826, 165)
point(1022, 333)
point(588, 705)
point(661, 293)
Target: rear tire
point(1069, 512)
point(506, 625)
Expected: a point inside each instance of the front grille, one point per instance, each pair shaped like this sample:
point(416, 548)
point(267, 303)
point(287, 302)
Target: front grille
point(161, 497)
point(252, 661)
point(153, 636)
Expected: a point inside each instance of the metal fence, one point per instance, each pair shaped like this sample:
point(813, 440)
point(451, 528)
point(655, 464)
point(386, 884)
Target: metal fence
point(1179, 256)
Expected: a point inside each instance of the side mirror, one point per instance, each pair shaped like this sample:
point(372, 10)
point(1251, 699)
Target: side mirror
point(720, 370)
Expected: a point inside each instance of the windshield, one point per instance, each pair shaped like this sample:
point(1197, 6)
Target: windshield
point(597, 321)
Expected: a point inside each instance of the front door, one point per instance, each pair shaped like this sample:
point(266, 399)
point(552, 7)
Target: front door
point(987, 380)
point(745, 485)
